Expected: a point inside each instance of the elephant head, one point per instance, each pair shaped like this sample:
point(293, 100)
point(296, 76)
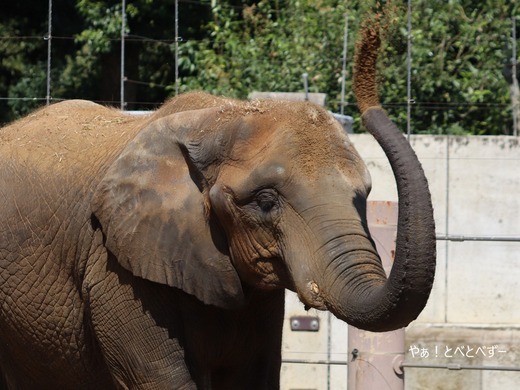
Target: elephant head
point(226, 196)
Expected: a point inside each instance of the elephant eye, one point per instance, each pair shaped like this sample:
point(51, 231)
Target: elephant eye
point(266, 200)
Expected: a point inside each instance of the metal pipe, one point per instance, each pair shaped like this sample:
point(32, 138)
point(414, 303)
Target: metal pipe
point(449, 366)
point(514, 87)
point(409, 73)
point(302, 361)
point(305, 77)
point(344, 67)
point(329, 346)
point(49, 45)
point(460, 238)
point(123, 21)
point(176, 47)
point(455, 366)
point(447, 224)
point(376, 357)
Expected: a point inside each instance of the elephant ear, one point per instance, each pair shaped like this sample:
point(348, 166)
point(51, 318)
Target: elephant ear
point(153, 212)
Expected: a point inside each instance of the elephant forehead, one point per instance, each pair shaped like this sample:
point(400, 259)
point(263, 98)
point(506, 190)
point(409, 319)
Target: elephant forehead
point(300, 134)
point(270, 173)
point(317, 149)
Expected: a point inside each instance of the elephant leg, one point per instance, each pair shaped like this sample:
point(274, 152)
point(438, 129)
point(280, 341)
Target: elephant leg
point(140, 346)
point(3, 381)
point(253, 342)
point(258, 374)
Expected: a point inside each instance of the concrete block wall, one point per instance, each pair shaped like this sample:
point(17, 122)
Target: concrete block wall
point(475, 305)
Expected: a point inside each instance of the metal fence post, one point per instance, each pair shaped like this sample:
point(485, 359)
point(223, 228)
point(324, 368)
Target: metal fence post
point(49, 52)
point(123, 27)
point(514, 84)
point(375, 358)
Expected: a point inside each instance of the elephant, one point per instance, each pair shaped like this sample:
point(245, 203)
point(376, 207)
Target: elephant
point(153, 252)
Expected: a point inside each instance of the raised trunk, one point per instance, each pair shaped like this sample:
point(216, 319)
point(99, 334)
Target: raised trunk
point(373, 305)
point(380, 307)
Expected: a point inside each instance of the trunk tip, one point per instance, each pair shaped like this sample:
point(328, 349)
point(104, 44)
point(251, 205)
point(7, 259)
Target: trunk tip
point(365, 64)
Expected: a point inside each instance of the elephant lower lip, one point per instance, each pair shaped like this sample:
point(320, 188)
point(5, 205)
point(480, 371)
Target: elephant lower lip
point(316, 304)
point(311, 297)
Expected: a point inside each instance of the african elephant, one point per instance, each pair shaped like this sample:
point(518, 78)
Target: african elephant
point(153, 252)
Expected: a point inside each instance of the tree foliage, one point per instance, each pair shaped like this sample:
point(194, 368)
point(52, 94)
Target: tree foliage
point(86, 47)
point(459, 50)
point(267, 48)
point(234, 47)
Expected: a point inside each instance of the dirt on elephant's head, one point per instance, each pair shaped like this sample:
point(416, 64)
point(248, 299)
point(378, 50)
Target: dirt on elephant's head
point(316, 134)
point(310, 134)
point(192, 101)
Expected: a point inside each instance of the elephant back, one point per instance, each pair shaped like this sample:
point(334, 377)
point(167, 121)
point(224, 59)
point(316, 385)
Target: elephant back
point(68, 135)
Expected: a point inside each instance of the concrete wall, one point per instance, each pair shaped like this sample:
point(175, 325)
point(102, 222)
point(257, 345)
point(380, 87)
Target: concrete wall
point(473, 316)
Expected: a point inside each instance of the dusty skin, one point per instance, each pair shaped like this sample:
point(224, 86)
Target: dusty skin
point(153, 252)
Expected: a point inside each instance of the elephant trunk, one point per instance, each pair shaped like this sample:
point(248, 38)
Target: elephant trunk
point(376, 304)
point(373, 303)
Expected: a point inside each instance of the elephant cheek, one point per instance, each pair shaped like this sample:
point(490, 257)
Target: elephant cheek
point(252, 252)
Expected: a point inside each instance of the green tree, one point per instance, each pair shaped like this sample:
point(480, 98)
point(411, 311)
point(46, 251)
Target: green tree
point(234, 47)
point(86, 51)
point(459, 48)
point(267, 47)
point(458, 52)
point(21, 66)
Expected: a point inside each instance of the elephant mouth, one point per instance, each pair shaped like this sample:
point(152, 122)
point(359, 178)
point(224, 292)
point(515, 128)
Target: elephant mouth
point(270, 273)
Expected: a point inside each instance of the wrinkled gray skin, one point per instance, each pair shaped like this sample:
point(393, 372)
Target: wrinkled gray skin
point(153, 253)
